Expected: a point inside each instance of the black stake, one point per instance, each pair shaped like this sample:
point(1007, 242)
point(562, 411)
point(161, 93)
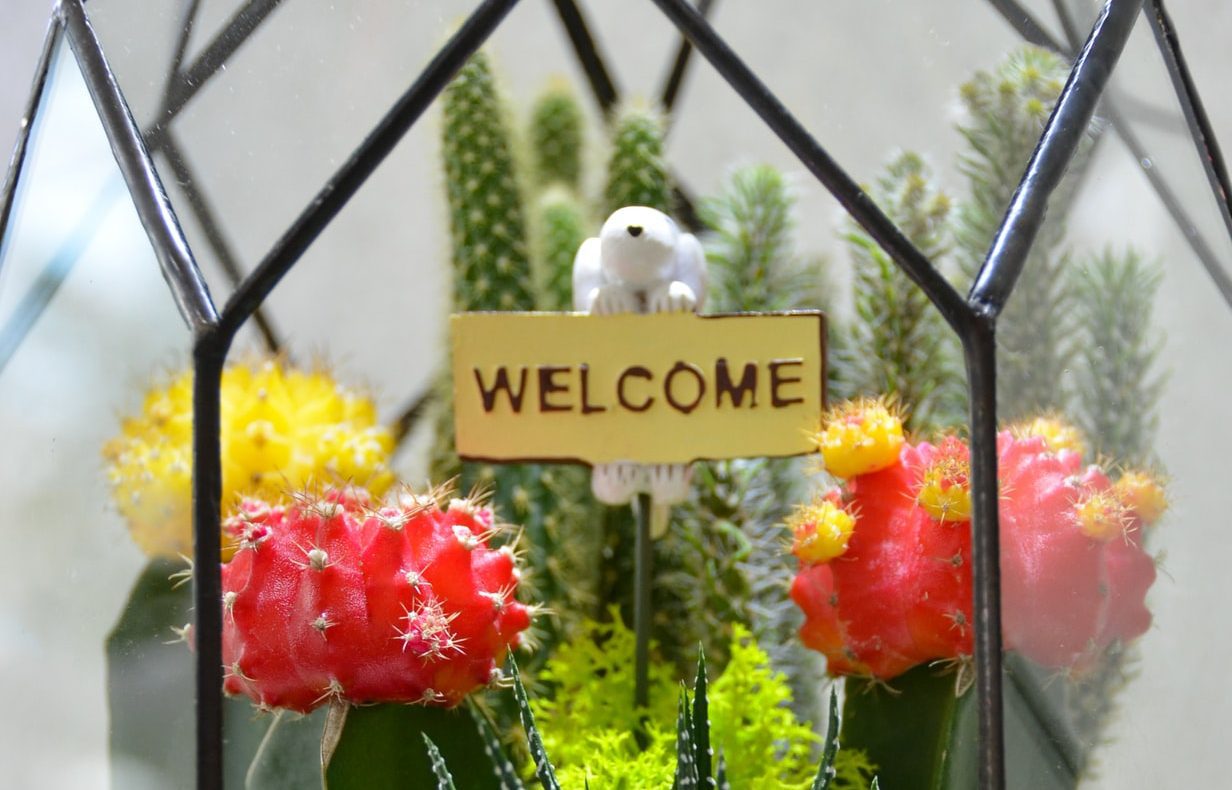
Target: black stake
point(643, 558)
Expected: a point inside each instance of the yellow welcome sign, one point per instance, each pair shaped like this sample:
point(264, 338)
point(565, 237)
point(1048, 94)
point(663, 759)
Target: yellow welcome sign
point(658, 388)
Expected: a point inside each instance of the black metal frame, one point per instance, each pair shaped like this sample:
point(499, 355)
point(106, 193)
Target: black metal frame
point(973, 318)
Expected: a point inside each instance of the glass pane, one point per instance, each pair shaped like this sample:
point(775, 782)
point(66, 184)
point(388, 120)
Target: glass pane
point(88, 321)
point(870, 80)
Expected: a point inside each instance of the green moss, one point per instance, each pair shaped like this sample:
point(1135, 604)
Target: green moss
point(588, 723)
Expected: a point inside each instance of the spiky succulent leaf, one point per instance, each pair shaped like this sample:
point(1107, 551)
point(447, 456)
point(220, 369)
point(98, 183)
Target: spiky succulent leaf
point(825, 772)
point(701, 721)
point(544, 771)
point(444, 781)
point(506, 772)
point(686, 758)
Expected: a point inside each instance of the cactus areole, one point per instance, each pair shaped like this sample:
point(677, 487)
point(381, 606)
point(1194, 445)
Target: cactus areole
point(339, 598)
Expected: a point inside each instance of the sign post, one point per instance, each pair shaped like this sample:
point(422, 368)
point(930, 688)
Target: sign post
point(636, 384)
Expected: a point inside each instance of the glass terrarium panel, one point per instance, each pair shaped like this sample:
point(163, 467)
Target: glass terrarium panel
point(87, 321)
point(870, 81)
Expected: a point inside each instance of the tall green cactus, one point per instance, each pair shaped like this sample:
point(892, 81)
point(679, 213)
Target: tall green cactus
point(899, 342)
point(637, 174)
point(492, 269)
point(562, 226)
point(1007, 109)
point(557, 134)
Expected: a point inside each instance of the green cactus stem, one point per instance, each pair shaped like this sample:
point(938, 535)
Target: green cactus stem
point(492, 269)
point(562, 227)
point(557, 137)
point(636, 173)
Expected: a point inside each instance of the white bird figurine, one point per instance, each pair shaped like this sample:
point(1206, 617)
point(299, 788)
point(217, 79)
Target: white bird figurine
point(641, 262)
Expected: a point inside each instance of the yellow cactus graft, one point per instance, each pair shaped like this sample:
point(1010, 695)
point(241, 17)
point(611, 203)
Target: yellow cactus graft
point(945, 490)
point(1142, 493)
point(282, 429)
point(859, 437)
point(1057, 434)
point(1102, 515)
point(821, 530)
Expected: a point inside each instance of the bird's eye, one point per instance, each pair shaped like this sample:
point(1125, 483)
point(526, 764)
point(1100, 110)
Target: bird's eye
point(635, 230)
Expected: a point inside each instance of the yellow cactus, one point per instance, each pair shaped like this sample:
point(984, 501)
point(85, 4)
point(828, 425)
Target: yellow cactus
point(1143, 494)
point(821, 530)
point(945, 490)
point(282, 429)
point(859, 437)
point(1102, 515)
point(1057, 434)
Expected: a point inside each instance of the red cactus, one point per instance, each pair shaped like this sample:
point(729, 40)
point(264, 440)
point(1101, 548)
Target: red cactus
point(330, 598)
point(1074, 575)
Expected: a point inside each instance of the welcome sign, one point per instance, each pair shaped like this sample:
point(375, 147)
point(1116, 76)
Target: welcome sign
point(656, 389)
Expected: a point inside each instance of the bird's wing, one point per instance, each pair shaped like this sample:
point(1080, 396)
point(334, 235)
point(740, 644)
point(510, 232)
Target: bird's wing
point(587, 274)
point(691, 266)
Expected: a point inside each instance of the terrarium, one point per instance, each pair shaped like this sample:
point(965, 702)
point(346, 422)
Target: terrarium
point(616, 395)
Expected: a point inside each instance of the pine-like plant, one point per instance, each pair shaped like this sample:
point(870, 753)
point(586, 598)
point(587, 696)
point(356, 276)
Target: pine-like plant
point(1006, 112)
point(899, 343)
point(1118, 385)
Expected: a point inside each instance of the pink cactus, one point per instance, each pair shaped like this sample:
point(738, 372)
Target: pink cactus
point(1074, 574)
point(332, 598)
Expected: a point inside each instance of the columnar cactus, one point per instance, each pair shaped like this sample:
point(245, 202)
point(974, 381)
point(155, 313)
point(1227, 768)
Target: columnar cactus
point(562, 227)
point(556, 136)
point(885, 577)
point(492, 268)
point(637, 174)
point(337, 598)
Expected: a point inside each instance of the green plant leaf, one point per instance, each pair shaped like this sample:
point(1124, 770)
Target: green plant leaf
point(379, 749)
point(920, 734)
point(701, 721)
point(543, 766)
point(686, 762)
point(289, 757)
point(825, 772)
point(492, 747)
point(150, 690)
point(720, 778)
point(444, 781)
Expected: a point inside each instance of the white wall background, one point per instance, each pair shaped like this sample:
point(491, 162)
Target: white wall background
point(866, 77)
